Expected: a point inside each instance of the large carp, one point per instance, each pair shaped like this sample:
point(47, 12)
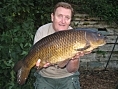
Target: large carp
point(56, 48)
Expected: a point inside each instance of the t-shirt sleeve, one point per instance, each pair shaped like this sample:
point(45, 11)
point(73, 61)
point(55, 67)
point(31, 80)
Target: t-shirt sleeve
point(38, 35)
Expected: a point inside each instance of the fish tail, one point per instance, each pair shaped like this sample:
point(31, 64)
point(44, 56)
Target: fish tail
point(22, 75)
point(18, 65)
point(22, 72)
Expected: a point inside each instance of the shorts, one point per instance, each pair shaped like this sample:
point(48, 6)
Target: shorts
point(71, 82)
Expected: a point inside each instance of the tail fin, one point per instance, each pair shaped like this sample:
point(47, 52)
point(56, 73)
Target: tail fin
point(22, 72)
point(22, 75)
point(18, 65)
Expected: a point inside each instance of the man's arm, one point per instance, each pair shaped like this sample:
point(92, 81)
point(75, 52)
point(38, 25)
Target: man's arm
point(73, 64)
point(38, 35)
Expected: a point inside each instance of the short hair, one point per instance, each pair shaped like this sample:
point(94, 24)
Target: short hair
point(64, 5)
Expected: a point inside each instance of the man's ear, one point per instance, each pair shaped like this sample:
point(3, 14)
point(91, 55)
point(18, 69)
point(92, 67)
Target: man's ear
point(52, 16)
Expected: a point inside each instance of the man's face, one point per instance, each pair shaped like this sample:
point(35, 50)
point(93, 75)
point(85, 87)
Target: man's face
point(61, 19)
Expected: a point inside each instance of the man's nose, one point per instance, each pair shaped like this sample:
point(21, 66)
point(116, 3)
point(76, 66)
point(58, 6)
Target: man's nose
point(63, 20)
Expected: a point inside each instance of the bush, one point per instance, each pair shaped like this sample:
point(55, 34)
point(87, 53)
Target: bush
point(19, 22)
point(15, 44)
point(105, 9)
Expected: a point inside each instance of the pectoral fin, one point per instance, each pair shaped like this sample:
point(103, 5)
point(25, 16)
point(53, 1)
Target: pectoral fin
point(82, 49)
point(86, 47)
point(62, 64)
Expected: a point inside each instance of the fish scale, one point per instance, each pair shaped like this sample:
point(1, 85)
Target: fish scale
point(58, 48)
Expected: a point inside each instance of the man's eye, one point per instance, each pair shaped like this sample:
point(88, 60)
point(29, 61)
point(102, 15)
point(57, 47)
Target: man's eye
point(59, 15)
point(67, 18)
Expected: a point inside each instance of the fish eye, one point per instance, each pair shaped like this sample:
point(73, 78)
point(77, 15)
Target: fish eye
point(99, 34)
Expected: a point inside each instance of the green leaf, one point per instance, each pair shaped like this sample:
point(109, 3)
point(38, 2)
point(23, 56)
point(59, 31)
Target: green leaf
point(24, 53)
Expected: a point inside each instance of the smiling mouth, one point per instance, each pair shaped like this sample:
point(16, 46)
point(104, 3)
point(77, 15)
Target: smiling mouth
point(61, 25)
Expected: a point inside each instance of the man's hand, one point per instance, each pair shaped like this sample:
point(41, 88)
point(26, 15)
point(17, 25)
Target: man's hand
point(78, 55)
point(38, 64)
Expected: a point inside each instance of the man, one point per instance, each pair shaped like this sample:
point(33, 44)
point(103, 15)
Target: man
point(52, 77)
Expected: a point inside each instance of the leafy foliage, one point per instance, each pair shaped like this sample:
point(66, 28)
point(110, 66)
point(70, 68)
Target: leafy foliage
point(18, 25)
point(105, 9)
point(15, 44)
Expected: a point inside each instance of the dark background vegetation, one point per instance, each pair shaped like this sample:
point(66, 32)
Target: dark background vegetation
point(19, 20)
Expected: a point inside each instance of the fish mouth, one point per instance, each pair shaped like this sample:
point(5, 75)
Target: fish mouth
point(103, 44)
point(97, 45)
